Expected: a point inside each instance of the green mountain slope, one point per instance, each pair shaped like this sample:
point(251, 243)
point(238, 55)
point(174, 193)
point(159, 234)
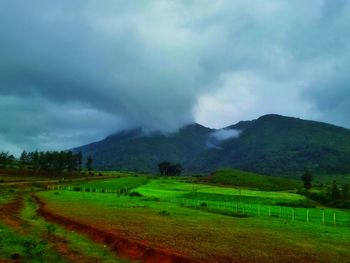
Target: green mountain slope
point(138, 151)
point(280, 145)
point(272, 144)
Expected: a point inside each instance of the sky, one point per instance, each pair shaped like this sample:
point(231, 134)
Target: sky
point(73, 72)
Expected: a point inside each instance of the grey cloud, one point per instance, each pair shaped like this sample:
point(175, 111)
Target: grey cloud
point(72, 72)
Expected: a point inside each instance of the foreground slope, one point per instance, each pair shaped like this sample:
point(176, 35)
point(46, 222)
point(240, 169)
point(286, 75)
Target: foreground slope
point(272, 144)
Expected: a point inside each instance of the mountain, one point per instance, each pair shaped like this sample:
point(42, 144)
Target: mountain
point(271, 144)
point(140, 151)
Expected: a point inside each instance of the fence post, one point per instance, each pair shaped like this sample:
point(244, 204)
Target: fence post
point(307, 215)
point(334, 221)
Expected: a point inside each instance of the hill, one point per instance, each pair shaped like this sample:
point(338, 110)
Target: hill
point(139, 151)
point(234, 177)
point(272, 144)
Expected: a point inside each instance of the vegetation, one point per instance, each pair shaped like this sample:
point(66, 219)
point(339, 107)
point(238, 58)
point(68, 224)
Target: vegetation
point(6, 159)
point(89, 162)
point(203, 222)
point(52, 161)
point(332, 195)
point(236, 177)
point(271, 145)
point(203, 217)
point(168, 169)
point(307, 180)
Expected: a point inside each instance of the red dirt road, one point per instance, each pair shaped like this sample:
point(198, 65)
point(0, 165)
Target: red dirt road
point(10, 213)
point(126, 248)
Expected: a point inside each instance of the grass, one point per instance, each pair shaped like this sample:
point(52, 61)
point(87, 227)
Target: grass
point(251, 180)
point(126, 183)
point(78, 243)
point(38, 240)
point(215, 232)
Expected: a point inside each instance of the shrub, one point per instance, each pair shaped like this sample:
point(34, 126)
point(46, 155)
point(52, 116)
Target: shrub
point(77, 189)
point(299, 203)
point(203, 204)
point(155, 199)
point(15, 256)
point(56, 193)
point(135, 194)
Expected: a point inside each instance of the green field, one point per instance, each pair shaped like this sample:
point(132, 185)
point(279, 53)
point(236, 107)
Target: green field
point(209, 221)
point(261, 230)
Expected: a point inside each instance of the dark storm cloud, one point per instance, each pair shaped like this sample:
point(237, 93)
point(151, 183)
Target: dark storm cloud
point(74, 71)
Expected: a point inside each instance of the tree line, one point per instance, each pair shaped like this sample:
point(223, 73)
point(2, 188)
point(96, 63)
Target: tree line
point(6, 159)
point(169, 169)
point(48, 161)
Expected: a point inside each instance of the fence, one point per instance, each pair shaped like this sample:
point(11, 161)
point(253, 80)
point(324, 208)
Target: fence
point(308, 215)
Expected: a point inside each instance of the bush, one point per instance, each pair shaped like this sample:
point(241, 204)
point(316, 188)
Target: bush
point(135, 194)
point(203, 204)
point(155, 199)
point(77, 189)
point(56, 193)
point(299, 203)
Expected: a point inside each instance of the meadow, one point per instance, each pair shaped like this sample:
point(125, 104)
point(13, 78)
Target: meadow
point(208, 222)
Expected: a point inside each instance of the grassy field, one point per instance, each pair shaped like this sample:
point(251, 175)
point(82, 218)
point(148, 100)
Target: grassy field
point(251, 180)
point(209, 222)
point(26, 237)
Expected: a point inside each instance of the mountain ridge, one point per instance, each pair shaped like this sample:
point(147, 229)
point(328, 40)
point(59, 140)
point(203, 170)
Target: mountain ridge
point(272, 144)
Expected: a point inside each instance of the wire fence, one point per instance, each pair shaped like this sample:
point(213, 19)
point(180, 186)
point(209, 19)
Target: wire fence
point(309, 215)
point(324, 216)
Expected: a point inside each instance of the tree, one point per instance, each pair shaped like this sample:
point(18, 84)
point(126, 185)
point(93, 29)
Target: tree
point(168, 169)
point(345, 191)
point(89, 162)
point(24, 158)
point(79, 160)
point(6, 159)
point(334, 191)
point(164, 168)
point(307, 180)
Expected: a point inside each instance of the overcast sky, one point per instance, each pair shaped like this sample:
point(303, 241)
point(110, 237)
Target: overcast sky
point(72, 72)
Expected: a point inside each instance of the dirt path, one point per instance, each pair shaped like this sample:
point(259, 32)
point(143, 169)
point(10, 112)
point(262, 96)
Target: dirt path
point(61, 246)
point(55, 181)
point(126, 248)
point(10, 213)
